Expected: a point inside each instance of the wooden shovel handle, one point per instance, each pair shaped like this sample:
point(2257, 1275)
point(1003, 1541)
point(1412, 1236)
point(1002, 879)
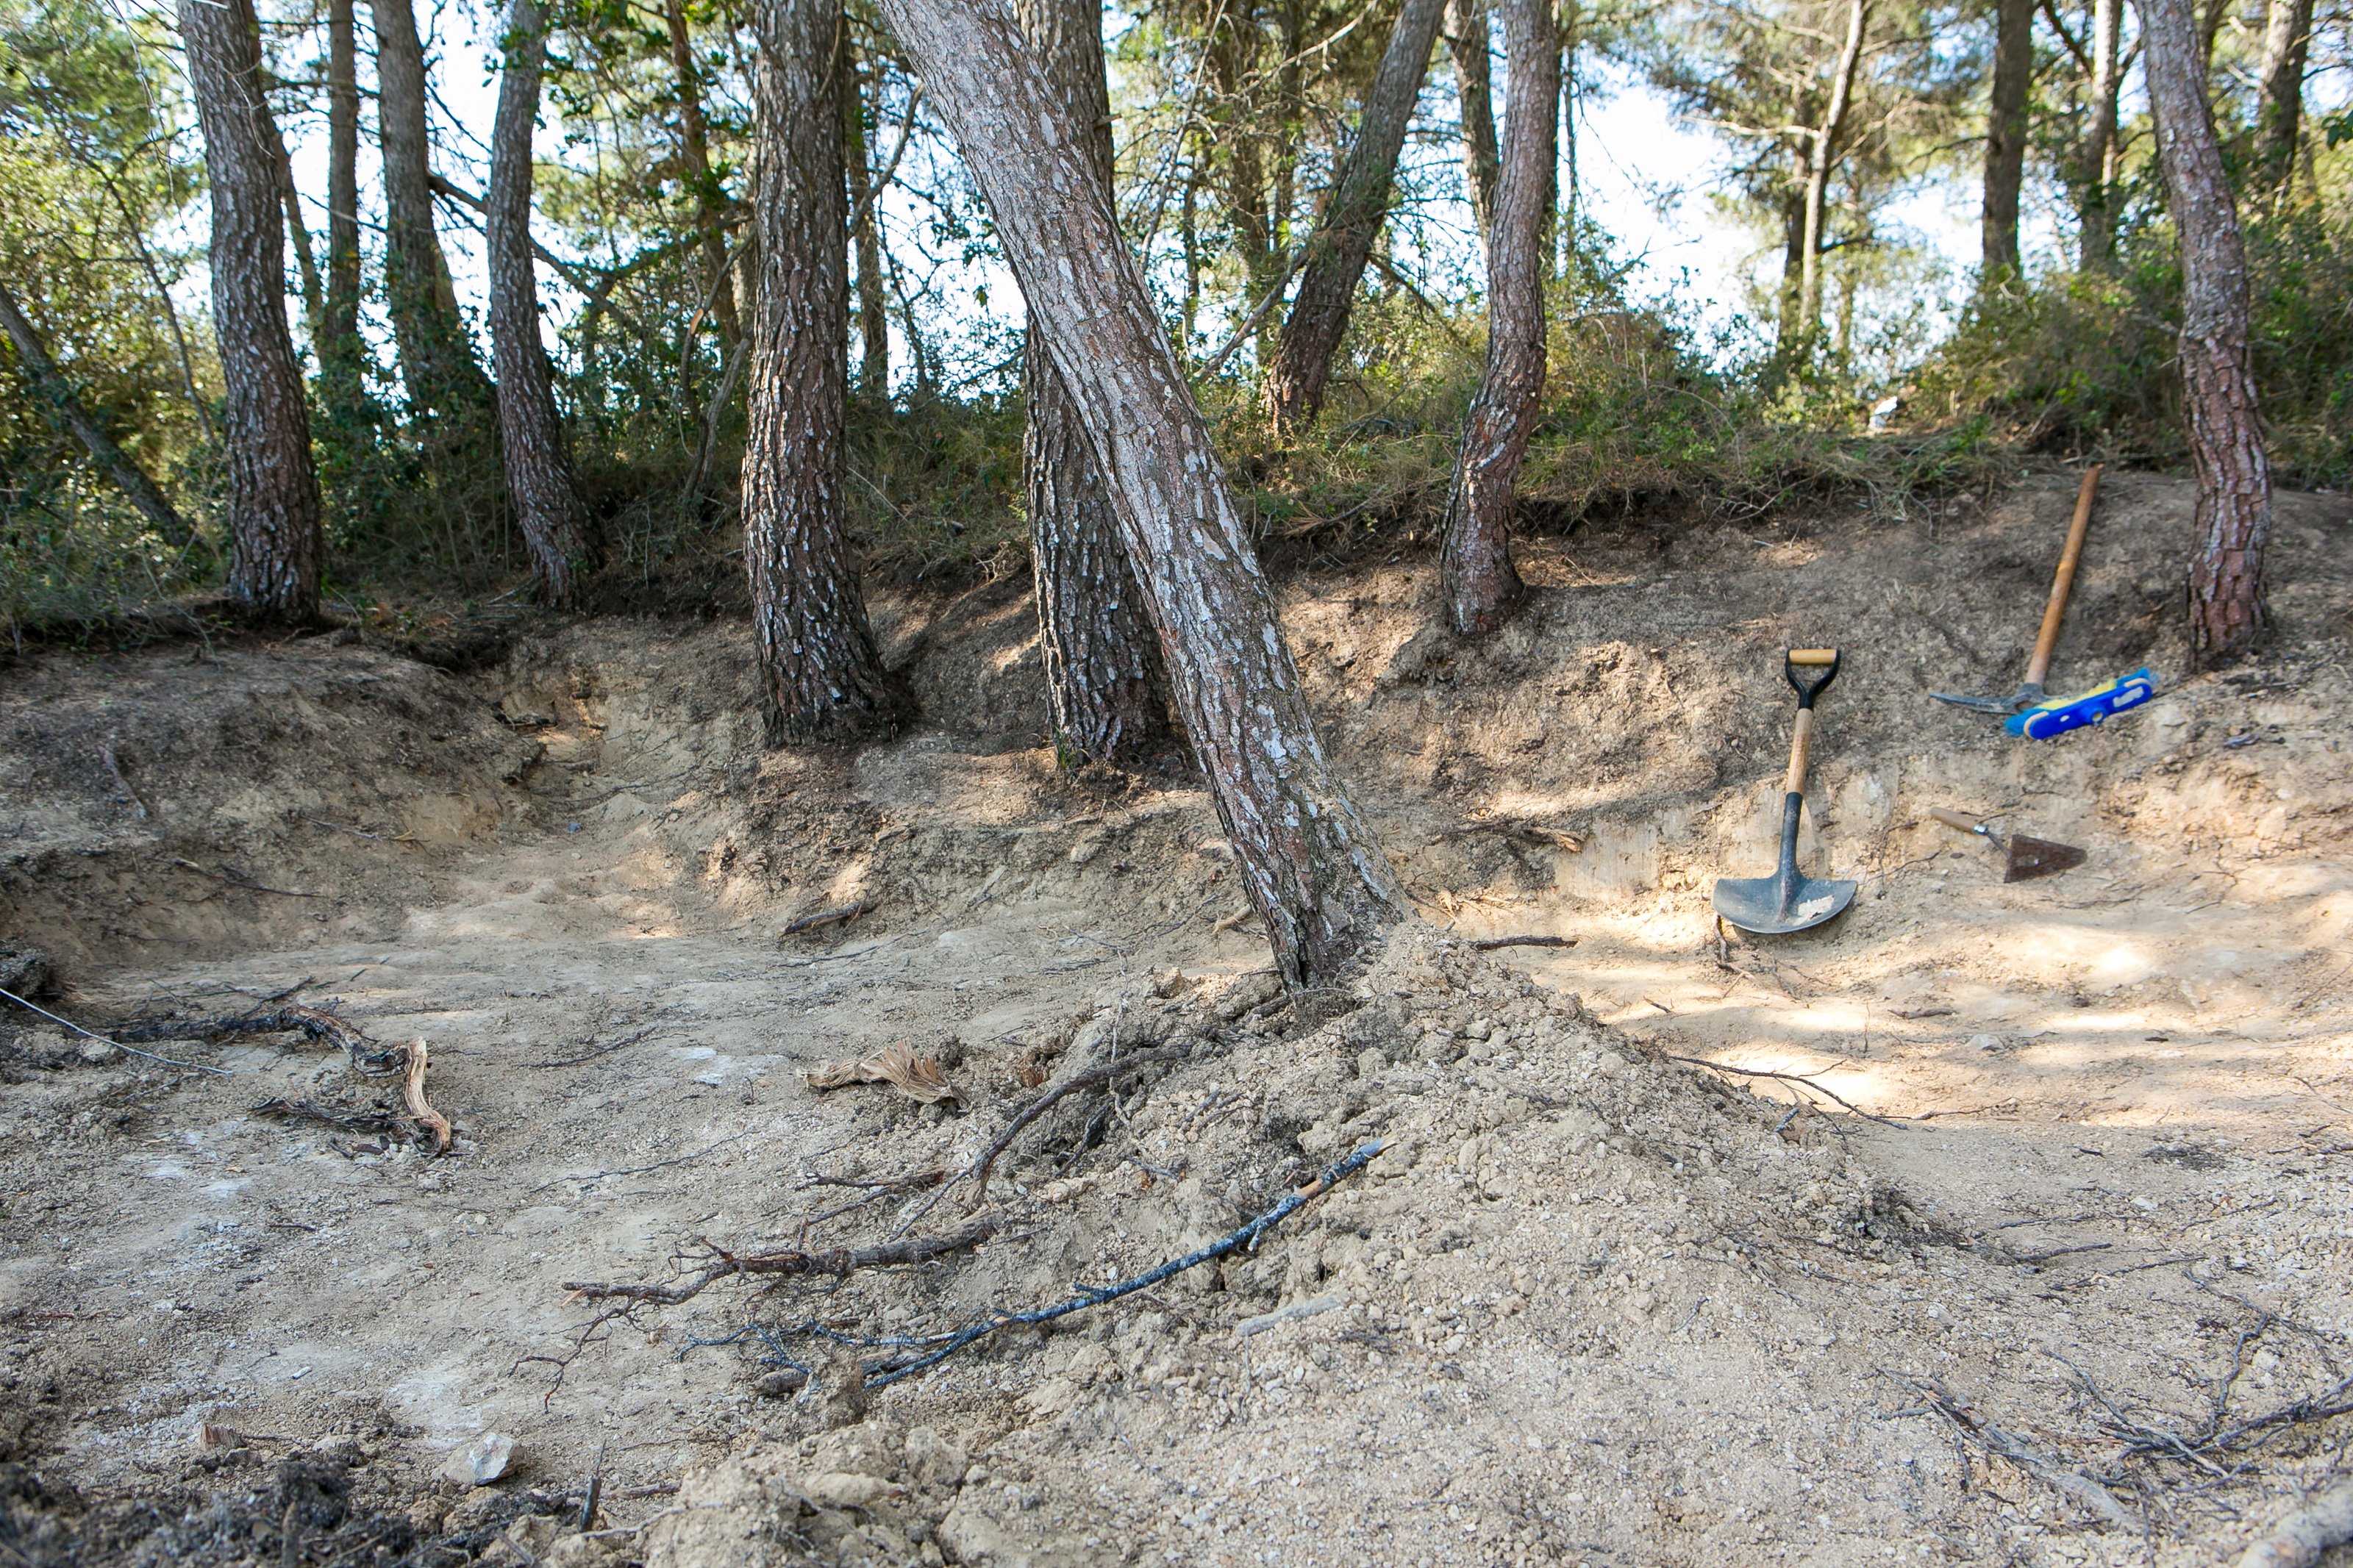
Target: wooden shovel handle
point(2048, 638)
point(1954, 819)
point(1799, 742)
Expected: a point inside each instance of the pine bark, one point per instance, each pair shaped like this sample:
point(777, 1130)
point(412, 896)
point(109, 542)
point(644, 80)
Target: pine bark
point(342, 354)
point(2096, 160)
point(1475, 89)
point(2005, 158)
point(273, 492)
point(64, 409)
point(538, 470)
point(2227, 609)
point(1309, 865)
point(2279, 104)
point(436, 360)
point(1476, 576)
point(823, 675)
point(1351, 219)
point(694, 152)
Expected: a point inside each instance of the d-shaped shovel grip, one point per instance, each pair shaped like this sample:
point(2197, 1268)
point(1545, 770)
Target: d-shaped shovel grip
point(1823, 664)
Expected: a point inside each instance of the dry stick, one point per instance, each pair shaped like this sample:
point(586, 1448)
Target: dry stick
point(1974, 1426)
point(1786, 1078)
point(1096, 1296)
point(117, 1044)
point(1091, 1077)
point(837, 1261)
point(2301, 1539)
point(842, 915)
point(367, 1058)
point(236, 878)
point(1490, 943)
point(599, 1051)
point(412, 1090)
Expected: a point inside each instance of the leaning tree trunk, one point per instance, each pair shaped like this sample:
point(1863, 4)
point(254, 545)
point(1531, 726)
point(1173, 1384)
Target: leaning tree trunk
point(437, 361)
point(538, 471)
point(1475, 89)
point(2227, 609)
point(824, 678)
point(865, 238)
point(273, 492)
point(2279, 106)
point(1476, 576)
point(65, 409)
point(1309, 865)
point(1821, 159)
point(1352, 220)
point(1103, 671)
point(2005, 158)
point(342, 356)
point(2096, 172)
point(694, 151)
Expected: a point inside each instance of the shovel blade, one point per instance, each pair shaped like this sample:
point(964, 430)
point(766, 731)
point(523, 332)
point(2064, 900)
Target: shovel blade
point(2033, 857)
point(1769, 906)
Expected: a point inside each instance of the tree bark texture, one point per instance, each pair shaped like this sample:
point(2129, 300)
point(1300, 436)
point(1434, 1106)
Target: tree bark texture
point(273, 492)
point(538, 470)
point(2279, 104)
point(1351, 219)
point(436, 360)
point(695, 150)
point(342, 354)
point(66, 411)
point(1821, 159)
point(2227, 609)
point(1476, 576)
point(306, 264)
point(1102, 665)
point(824, 678)
point(1309, 865)
point(866, 236)
point(2097, 171)
point(2005, 158)
point(1475, 89)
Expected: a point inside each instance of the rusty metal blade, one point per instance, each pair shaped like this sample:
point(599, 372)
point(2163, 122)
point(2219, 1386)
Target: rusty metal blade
point(2033, 857)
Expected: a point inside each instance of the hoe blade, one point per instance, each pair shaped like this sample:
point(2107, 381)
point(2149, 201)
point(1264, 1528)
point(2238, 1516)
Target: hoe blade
point(2033, 857)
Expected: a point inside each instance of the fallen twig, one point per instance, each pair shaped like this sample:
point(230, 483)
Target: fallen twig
point(601, 1051)
point(360, 1119)
point(842, 915)
point(1490, 943)
point(412, 1090)
point(1094, 1077)
point(1785, 1078)
point(1973, 1426)
point(2300, 1539)
point(117, 1044)
point(237, 879)
point(837, 1261)
point(1096, 1296)
point(366, 1056)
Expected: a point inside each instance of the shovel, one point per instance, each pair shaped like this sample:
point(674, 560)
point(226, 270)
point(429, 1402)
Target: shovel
point(2031, 693)
point(2023, 859)
point(1785, 901)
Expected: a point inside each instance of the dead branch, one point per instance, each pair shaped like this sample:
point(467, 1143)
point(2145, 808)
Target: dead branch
point(367, 1058)
point(838, 1261)
point(1095, 1077)
point(1096, 1296)
point(412, 1090)
point(1785, 1078)
point(117, 1044)
point(1490, 943)
point(1974, 1426)
point(2301, 1539)
point(601, 1051)
point(240, 880)
point(842, 915)
point(359, 1118)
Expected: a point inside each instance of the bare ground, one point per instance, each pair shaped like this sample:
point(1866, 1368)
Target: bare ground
point(2081, 1296)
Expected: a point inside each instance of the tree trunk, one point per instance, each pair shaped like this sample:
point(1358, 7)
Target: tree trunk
point(1570, 27)
point(866, 234)
point(437, 361)
point(1477, 576)
point(1103, 671)
point(539, 472)
point(694, 147)
point(824, 678)
point(2005, 159)
point(342, 354)
point(281, 168)
point(1351, 219)
point(71, 416)
point(1474, 89)
point(2096, 173)
point(1821, 160)
point(2227, 609)
point(2279, 106)
point(1231, 57)
point(1309, 865)
point(273, 493)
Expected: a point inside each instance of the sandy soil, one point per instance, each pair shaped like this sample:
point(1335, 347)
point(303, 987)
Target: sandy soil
point(1591, 1304)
